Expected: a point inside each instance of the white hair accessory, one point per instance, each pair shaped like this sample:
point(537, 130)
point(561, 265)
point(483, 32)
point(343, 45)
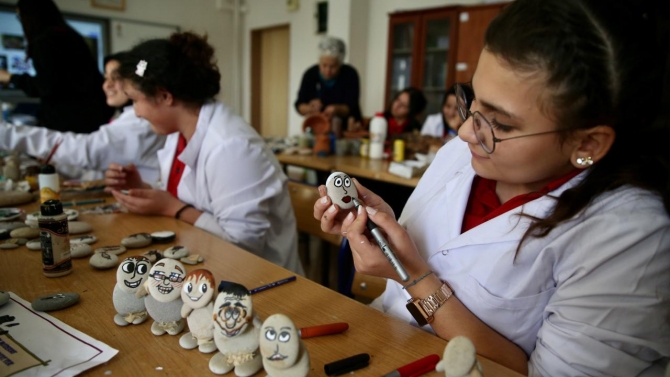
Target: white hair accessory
point(141, 67)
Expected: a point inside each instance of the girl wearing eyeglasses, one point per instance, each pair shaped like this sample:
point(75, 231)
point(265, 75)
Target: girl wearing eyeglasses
point(543, 234)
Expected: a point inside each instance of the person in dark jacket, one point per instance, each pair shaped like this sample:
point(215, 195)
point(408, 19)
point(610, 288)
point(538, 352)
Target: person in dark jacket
point(330, 87)
point(68, 81)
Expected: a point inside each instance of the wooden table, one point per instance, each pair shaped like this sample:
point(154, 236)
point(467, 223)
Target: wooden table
point(355, 166)
point(390, 342)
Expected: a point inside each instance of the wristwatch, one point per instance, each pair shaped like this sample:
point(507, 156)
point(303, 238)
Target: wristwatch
point(423, 309)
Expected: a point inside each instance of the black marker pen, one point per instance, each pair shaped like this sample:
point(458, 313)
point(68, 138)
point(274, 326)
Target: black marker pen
point(384, 245)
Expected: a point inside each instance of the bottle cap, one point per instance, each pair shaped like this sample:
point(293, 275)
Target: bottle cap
point(51, 207)
point(347, 365)
point(48, 169)
point(379, 114)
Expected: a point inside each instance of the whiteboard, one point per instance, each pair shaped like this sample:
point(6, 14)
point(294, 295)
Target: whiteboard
point(126, 34)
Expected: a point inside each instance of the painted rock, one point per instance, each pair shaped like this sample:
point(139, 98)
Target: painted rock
point(32, 223)
point(192, 259)
point(34, 245)
point(164, 236)
point(4, 298)
point(116, 250)
point(88, 239)
point(176, 252)
point(25, 232)
point(18, 241)
point(78, 227)
point(103, 261)
point(137, 240)
point(55, 301)
point(80, 250)
point(11, 225)
point(341, 190)
point(7, 246)
point(153, 255)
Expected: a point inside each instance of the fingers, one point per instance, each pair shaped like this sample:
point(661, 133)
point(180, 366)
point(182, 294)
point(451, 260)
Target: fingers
point(322, 204)
point(328, 219)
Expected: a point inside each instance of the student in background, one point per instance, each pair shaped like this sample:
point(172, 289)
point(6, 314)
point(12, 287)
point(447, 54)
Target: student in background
point(404, 110)
point(217, 173)
point(126, 139)
point(330, 87)
point(548, 219)
point(445, 124)
point(68, 81)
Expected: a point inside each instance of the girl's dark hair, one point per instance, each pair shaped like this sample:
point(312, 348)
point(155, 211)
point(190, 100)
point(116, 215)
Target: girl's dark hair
point(184, 65)
point(469, 96)
point(118, 57)
point(605, 63)
point(417, 101)
point(38, 17)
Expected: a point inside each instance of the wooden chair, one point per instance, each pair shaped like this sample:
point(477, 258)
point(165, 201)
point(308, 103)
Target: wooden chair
point(303, 197)
point(369, 287)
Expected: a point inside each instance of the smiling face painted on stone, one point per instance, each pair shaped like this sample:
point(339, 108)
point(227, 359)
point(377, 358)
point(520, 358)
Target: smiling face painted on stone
point(198, 289)
point(132, 273)
point(233, 309)
point(341, 190)
point(280, 342)
point(167, 277)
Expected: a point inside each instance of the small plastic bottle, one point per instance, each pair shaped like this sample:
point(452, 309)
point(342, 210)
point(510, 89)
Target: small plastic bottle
point(378, 128)
point(56, 259)
point(49, 184)
point(365, 147)
point(399, 150)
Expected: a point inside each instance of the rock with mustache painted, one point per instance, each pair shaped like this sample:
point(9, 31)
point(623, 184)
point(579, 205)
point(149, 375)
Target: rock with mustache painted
point(284, 353)
point(163, 301)
point(132, 273)
point(341, 190)
point(198, 297)
point(236, 332)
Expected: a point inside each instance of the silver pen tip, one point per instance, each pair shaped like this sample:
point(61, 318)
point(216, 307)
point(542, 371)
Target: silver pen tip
point(356, 202)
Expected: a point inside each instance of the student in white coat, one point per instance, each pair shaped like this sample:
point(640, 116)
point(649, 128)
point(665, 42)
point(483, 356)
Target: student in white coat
point(446, 123)
point(217, 172)
point(542, 233)
point(126, 139)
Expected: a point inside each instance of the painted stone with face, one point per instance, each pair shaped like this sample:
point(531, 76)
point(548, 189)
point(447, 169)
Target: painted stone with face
point(164, 303)
point(341, 190)
point(236, 332)
point(198, 297)
point(284, 353)
point(132, 273)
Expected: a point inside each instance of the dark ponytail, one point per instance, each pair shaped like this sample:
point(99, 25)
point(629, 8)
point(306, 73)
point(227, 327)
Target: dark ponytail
point(184, 65)
point(606, 63)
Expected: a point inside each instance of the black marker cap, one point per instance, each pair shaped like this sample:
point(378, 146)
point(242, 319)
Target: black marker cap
point(347, 365)
point(51, 207)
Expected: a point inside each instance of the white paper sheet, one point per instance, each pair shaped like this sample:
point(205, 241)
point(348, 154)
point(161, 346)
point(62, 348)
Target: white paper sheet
point(41, 345)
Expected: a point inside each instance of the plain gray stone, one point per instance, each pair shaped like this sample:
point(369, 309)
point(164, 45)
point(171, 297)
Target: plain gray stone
point(25, 232)
point(11, 225)
point(34, 245)
point(7, 246)
point(78, 227)
point(137, 240)
point(55, 301)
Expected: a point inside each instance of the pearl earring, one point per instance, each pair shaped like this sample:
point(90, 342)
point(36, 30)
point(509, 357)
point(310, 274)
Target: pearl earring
point(585, 161)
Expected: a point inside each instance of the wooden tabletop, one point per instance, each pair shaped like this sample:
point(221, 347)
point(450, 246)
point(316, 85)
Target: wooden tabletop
point(355, 166)
point(390, 342)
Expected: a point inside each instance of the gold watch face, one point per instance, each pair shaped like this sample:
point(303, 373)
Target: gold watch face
point(417, 313)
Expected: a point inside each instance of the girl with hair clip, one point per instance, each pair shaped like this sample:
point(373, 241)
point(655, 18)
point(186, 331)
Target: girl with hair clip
point(216, 172)
point(445, 124)
point(543, 233)
point(126, 139)
point(404, 110)
point(67, 79)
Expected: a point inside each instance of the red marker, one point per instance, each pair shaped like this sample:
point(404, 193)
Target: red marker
point(416, 368)
point(321, 330)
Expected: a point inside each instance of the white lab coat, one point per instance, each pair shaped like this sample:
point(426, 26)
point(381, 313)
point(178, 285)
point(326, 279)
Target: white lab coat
point(236, 181)
point(127, 139)
point(433, 126)
point(591, 298)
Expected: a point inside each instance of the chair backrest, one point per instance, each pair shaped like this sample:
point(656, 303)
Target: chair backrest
point(367, 286)
point(303, 197)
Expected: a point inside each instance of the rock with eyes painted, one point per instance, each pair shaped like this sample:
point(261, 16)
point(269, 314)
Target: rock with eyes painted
point(341, 190)
point(197, 295)
point(236, 332)
point(284, 353)
point(132, 273)
point(163, 301)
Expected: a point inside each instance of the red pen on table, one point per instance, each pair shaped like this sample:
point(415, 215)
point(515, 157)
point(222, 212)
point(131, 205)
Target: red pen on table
point(321, 330)
point(416, 368)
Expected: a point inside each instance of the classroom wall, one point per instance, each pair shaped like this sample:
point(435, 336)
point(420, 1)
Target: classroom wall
point(196, 15)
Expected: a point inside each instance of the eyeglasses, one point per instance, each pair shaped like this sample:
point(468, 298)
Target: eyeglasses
point(483, 129)
point(160, 276)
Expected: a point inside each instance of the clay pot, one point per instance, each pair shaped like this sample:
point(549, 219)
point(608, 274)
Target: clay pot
point(319, 124)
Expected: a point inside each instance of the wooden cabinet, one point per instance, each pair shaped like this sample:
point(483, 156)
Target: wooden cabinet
point(432, 49)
